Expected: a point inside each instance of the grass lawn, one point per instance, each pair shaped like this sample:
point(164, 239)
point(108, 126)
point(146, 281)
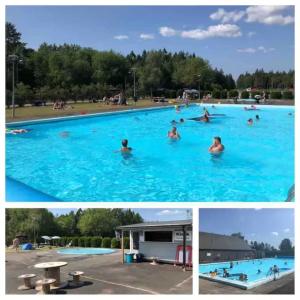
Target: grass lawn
point(38, 112)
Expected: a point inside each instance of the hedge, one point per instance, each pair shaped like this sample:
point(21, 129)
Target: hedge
point(287, 95)
point(96, 242)
point(245, 95)
point(87, 242)
point(216, 94)
point(275, 95)
point(126, 243)
point(233, 93)
point(106, 242)
point(115, 243)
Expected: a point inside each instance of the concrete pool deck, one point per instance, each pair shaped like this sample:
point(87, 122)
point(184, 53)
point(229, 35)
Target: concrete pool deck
point(284, 285)
point(104, 274)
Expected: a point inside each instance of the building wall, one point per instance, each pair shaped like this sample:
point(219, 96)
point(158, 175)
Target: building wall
point(162, 250)
point(224, 255)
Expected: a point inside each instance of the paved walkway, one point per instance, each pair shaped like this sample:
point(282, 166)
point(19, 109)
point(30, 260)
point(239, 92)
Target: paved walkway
point(285, 285)
point(104, 274)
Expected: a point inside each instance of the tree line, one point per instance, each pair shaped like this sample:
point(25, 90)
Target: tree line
point(285, 248)
point(93, 222)
point(71, 72)
point(266, 80)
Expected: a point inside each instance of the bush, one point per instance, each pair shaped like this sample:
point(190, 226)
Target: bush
point(233, 93)
point(216, 94)
point(96, 241)
point(115, 243)
point(223, 94)
point(126, 243)
point(75, 241)
point(106, 242)
point(87, 242)
point(287, 95)
point(81, 242)
point(245, 95)
point(275, 95)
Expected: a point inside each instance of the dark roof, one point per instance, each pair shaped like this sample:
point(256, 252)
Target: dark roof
point(158, 224)
point(212, 241)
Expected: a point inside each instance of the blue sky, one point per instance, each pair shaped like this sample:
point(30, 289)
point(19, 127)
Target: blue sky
point(263, 225)
point(148, 214)
point(235, 38)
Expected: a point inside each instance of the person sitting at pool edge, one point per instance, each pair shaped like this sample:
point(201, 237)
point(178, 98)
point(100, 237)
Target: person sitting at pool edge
point(217, 146)
point(173, 134)
point(125, 148)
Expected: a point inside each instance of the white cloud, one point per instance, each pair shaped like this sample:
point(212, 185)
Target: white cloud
point(168, 212)
point(167, 31)
point(275, 233)
point(147, 36)
point(286, 230)
point(255, 50)
point(221, 30)
point(227, 16)
point(121, 37)
point(251, 33)
point(268, 14)
point(247, 50)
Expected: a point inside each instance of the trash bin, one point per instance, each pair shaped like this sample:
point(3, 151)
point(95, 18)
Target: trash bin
point(129, 258)
point(139, 257)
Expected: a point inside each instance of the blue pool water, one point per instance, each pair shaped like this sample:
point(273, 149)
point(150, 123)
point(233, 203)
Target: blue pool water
point(85, 251)
point(249, 267)
point(83, 165)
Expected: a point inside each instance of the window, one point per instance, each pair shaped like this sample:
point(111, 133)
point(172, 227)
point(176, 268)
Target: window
point(158, 236)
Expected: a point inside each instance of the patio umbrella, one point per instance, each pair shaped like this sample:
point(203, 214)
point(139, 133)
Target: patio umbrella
point(55, 238)
point(46, 237)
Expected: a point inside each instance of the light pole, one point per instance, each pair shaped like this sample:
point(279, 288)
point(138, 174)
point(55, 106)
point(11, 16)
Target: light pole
point(134, 90)
point(14, 59)
point(199, 76)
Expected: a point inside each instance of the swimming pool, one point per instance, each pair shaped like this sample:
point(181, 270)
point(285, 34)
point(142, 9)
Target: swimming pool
point(249, 267)
point(85, 251)
point(75, 159)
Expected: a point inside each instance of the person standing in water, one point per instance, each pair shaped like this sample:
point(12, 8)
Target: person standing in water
point(174, 134)
point(125, 148)
point(217, 146)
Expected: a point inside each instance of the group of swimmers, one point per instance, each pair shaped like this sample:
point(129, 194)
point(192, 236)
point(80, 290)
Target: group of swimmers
point(250, 121)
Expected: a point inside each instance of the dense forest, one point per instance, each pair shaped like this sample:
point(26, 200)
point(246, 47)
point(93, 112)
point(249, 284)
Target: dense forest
point(98, 222)
point(73, 72)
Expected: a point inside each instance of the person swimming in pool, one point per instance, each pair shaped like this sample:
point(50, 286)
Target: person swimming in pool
point(173, 134)
point(250, 122)
point(257, 118)
point(258, 271)
point(181, 120)
point(205, 119)
point(217, 146)
point(206, 112)
point(125, 148)
point(15, 131)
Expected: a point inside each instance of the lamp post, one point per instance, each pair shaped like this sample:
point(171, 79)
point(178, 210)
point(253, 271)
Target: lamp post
point(199, 76)
point(134, 90)
point(14, 59)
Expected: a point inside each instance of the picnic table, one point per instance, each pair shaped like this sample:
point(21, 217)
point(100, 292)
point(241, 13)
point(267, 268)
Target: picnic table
point(52, 270)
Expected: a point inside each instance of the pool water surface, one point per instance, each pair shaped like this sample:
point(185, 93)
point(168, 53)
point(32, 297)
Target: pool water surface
point(78, 159)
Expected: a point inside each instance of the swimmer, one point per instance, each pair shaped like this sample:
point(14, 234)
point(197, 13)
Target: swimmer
point(217, 146)
point(204, 119)
point(258, 271)
point(64, 134)
point(290, 114)
point(15, 131)
point(250, 122)
point(177, 108)
point(213, 106)
point(173, 134)
point(173, 122)
point(125, 148)
point(181, 120)
point(206, 112)
point(257, 117)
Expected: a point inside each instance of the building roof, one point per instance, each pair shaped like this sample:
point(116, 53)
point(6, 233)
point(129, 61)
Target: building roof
point(158, 224)
point(212, 241)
